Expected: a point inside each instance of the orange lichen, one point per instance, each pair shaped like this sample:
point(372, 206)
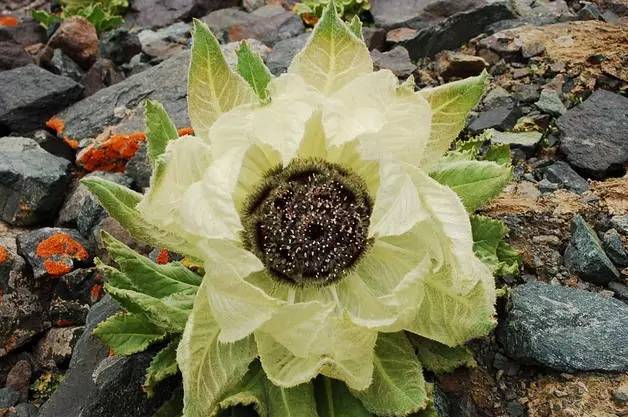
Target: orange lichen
point(185, 131)
point(112, 154)
point(163, 257)
point(58, 252)
point(96, 292)
point(4, 254)
point(58, 125)
point(57, 268)
point(8, 21)
point(63, 323)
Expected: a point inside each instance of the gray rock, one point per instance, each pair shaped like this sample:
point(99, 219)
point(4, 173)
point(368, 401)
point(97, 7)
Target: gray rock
point(139, 168)
point(585, 257)
point(550, 103)
point(119, 45)
point(457, 29)
point(589, 12)
point(24, 410)
point(165, 83)
point(13, 55)
point(165, 42)
point(61, 64)
point(268, 24)
point(81, 209)
point(100, 75)
point(30, 95)
point(501, 114)
point(283, 52)
point(19, 378)
point(620, 223)
point(621, 394)
point(561, 173)
point(32, 181)
point(526, 93)
point(100, 386)
point(565, 329)
point(8, 397)
point(374, 37)
point(53, 252)
point(416, 13)
point(397, 60)
point(27, 33)
point(614, 248)
point(53, 144)
point(159, 13)
point(525, 140)
point(55, 348)
point(620, 290)
point(593, 134)
point(455, 64)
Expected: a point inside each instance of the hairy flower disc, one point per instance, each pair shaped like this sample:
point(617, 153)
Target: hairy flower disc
point(309, 222)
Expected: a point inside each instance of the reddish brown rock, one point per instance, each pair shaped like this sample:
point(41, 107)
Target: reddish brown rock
point(77, 38)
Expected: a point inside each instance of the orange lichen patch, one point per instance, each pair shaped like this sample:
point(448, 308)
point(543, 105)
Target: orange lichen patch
point(58, 125)
point(57, 268)
point(163, 257)
point(112, 154)
point(63, 323)
point(96, 292)
point(185, 131)
point(59, 251)
point(4, 254)
point(8, 21)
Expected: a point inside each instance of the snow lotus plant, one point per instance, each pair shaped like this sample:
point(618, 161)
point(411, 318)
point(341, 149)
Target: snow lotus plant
point(328, 251)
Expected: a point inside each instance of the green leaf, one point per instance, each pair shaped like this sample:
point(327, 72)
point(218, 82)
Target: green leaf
point(333, 56)
point(333, 399)
point(491, 248)
point(114, 277)
point(450, 104)
point(252, 68)
point(398, 387)
point(498, 153)
point(212, 87)
point(173, 407)
point(159, 129)
point(120, 202)
point(475, 182)
point(163, 365)
point(209, 368)
point(128, 333)
point(440, 358)
point(250, 391)
point(165, 313)
point(44, 18)
point(356, 27)
point(148, 277)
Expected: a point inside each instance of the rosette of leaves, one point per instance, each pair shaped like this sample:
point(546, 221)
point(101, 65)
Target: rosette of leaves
point(311, 10)
point(105, 15)
point(332, 224)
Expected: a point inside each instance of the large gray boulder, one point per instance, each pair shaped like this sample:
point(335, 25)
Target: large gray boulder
point(565, 329)
point(594, 134)
point(33, 182)
point(30, 95)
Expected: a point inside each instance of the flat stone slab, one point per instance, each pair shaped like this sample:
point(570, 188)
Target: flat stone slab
point(565, 329)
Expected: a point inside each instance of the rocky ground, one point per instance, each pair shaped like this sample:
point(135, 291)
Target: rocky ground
point(71, 105)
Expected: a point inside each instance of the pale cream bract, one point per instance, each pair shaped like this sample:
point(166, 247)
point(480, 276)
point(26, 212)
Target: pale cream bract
point(420, 273)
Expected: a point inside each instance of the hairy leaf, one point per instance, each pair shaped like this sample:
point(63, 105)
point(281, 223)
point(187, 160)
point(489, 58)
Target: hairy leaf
point(254, 71)
point(333, 399)
point(128, 333)
point(213, 88)
point(159, 129)
point(440, 358)
point(209, 368)
point(163, 365)
point(489, 245)
point(398, 387)
point(475, 182)
point(333, 56)
point(451, 104)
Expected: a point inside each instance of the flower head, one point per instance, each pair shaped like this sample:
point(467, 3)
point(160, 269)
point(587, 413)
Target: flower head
point(314, 213)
